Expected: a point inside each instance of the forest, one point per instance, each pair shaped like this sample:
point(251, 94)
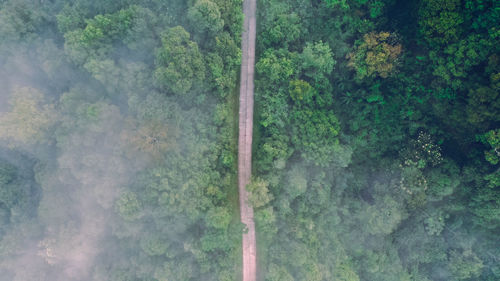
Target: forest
point(376, 146)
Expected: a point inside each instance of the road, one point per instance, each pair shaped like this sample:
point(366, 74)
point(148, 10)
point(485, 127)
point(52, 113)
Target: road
point(245, 138)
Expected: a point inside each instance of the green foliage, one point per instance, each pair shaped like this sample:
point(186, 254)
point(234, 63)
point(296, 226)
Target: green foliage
point(19, 21)
point(486, 207)
point(205, 16)
point(129, 207)
point(277, 273)
point(154, 245)
point(265, 220)
point(11, 192)
point(275, 66)
point(218, 217)
point(259, 195)
point(179, 63)
point(297, 181)
point(223, 64)
point(384, 216)
point(301, 92)
point(492, 138)
point(459, 58)
point(414, 183)
point(337, 3)
point(345, 273)
point(96, 39)
point(317, 61)
point(70, 18)
point(152, 136)
point(464, 265)
point(18, 197)
point(443, 181)
point(29, 118)
point(434, 224)
point(285, 29)
point(315, 134)
point(274, 153)
point(374, 7)
point(440, 20)
point(483, 104)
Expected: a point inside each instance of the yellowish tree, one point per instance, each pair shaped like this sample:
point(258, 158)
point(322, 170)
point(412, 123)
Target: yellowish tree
point(377, 55)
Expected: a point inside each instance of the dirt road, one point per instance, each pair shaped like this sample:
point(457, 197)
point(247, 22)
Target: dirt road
point(245, 138)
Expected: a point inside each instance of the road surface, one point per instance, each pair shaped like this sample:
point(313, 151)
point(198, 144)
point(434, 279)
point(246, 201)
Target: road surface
point(245, 138)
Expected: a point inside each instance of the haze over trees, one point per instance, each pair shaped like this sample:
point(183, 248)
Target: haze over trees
point(376, 146)
point(117, 156)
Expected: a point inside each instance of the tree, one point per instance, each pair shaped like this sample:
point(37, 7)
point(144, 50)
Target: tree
point(345, 272)
point(100, 33)
point(314, 134)
point(154, 245)
point(218, 217)
point(29, 119)
point(176, 270)
point(284, 29)
point(274, 152)
point(129, 207)
point(19, 21)
point(376, 55)
point(278, 273)
point(454, 63)
point(296, 182)
point(265, 220)
point(337, 3)
point(492, 139)
point(443, 180)
point(151, 136)
point(18, 195)
point(70, 18)
point(384, 216)
point(179, 63)
point(375, 7)
point(259, 193)
point(464, 265)
point(435, 222)
point(317, 62)
point(301, 92)
point(485, 205)
point(205, 16)
point(414, 184)
point(440, 20)
point(417, 245)
point(275, 66)
point(223, 64)
point(483, 106)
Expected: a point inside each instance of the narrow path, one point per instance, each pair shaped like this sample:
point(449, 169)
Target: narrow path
point(245, 138)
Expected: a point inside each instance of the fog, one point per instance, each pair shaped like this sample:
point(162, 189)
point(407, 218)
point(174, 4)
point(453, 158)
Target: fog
point(79, 179)
point(106, 170)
